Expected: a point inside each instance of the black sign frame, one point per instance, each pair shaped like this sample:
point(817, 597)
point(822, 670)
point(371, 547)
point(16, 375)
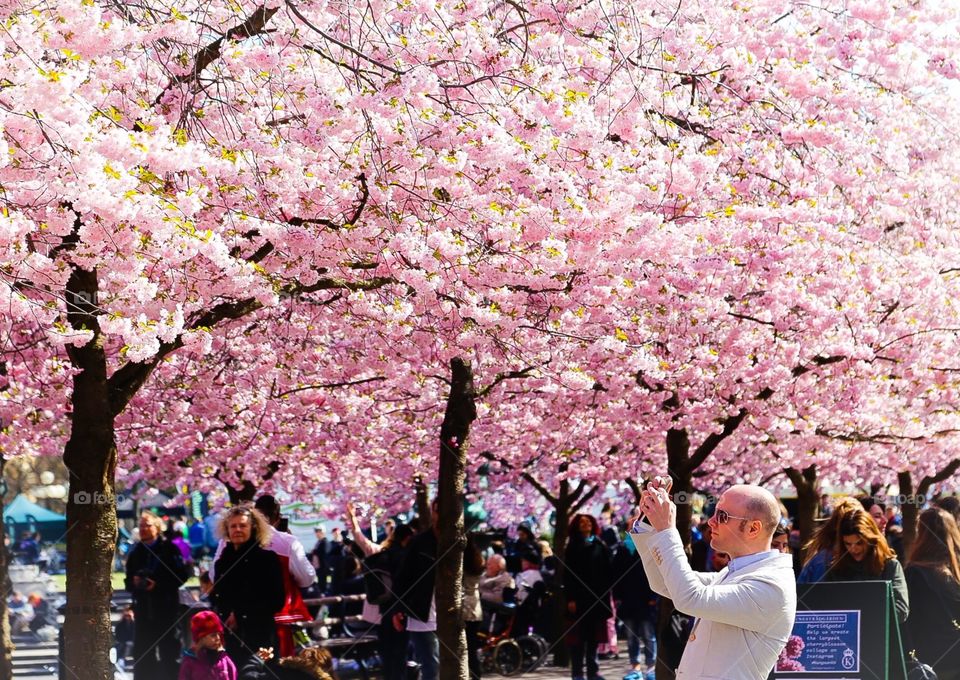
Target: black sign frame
point(880, 647)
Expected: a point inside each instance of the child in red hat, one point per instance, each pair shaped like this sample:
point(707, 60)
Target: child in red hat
point(206, 659)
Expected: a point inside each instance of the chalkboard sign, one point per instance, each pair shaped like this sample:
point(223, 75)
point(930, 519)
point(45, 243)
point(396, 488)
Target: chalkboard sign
point(843, 631)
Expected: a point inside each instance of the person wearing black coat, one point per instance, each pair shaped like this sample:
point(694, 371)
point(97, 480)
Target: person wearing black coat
point(248, 590)
point(933, 581)
point(586, 583)
point(636, 605)
point(381, 571)
point(319, 557)
point(414, 588)
point(154, 573)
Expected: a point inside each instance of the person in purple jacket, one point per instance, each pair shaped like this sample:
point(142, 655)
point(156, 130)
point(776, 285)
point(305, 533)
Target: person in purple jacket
point(206, 659)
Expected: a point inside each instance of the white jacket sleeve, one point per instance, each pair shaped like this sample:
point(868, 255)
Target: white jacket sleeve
point(745, 604)
point(642, 541)
point(300, 568)
point(657, 584)
point(216, 556)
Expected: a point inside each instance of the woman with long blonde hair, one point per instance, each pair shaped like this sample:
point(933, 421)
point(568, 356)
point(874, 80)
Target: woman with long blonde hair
point(933, 580)
point(248, 587)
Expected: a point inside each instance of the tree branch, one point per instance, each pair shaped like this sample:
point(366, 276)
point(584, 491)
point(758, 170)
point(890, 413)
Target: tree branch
point(730, 424)
point(322, 386)
point(254, 24)
point(330, 224)
point(580, 503)
point(127, 379)
point(940, 476)
point(509, 375)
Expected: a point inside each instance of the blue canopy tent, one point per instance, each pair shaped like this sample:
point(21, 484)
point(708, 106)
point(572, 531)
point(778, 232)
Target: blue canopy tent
point(22, 515)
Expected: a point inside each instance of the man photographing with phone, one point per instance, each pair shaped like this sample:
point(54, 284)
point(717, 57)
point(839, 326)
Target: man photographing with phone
point(744, 613)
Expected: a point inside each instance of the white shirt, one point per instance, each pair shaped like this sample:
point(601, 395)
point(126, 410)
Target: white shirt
point(428, 626)
point(526, 580)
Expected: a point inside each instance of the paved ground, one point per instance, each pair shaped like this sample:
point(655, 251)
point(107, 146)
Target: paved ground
point(40, 664)
point(610, 670)
point(38, 660)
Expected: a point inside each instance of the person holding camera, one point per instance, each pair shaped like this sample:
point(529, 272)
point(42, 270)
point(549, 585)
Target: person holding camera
point(154, 573)
point(745, 612)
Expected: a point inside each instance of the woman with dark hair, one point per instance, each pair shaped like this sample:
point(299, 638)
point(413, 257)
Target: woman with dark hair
point(951, 504)
point(933, 579)
point(862, 554)
point(819, 549)
point(248, 587)
point(586, 582)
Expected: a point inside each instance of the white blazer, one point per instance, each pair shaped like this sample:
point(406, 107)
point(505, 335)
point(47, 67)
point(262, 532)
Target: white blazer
point(745, 617)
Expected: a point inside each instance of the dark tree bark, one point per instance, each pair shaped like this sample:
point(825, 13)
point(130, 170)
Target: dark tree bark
point(460, 413)
point(635, 488)
point(6, 653)
point(915, 498)
point(909, 511)
point(566, 504)
point(808, 503)
point(91, 458)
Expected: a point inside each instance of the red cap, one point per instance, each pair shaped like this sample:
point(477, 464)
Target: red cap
point(203, 623)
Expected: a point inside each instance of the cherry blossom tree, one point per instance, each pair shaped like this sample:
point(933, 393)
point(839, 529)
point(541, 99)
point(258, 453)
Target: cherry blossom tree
point(691, 210)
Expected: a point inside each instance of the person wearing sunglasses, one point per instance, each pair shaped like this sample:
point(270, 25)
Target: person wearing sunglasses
point(745, 612)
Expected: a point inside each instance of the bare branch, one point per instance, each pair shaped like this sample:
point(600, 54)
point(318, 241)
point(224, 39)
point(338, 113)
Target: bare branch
point(254, 25)
point(328, 386)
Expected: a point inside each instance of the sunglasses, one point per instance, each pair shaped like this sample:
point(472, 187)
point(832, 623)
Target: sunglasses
point(723, 517)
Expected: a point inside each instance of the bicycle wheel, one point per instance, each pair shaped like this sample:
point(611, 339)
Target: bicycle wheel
point(534, 650)
point(507, 658)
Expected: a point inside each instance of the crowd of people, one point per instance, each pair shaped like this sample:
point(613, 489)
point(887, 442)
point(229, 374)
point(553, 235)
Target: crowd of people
point(600, 604)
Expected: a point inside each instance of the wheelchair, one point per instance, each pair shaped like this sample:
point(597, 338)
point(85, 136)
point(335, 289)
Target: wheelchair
point(510, 647)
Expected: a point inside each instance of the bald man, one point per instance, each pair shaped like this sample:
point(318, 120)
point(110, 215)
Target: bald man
point(744, 613)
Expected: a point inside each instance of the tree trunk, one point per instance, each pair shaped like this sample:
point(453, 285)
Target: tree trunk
point(90, 457)
point(910, 510)
point(678, 463)
point(561, 510)
point(6, 653)
point(635, 489)
point(915, 498)
point(808, 504)
point(461, 412)
point(244, 494)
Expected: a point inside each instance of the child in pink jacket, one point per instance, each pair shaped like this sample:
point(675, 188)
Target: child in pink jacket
point(206, 659)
